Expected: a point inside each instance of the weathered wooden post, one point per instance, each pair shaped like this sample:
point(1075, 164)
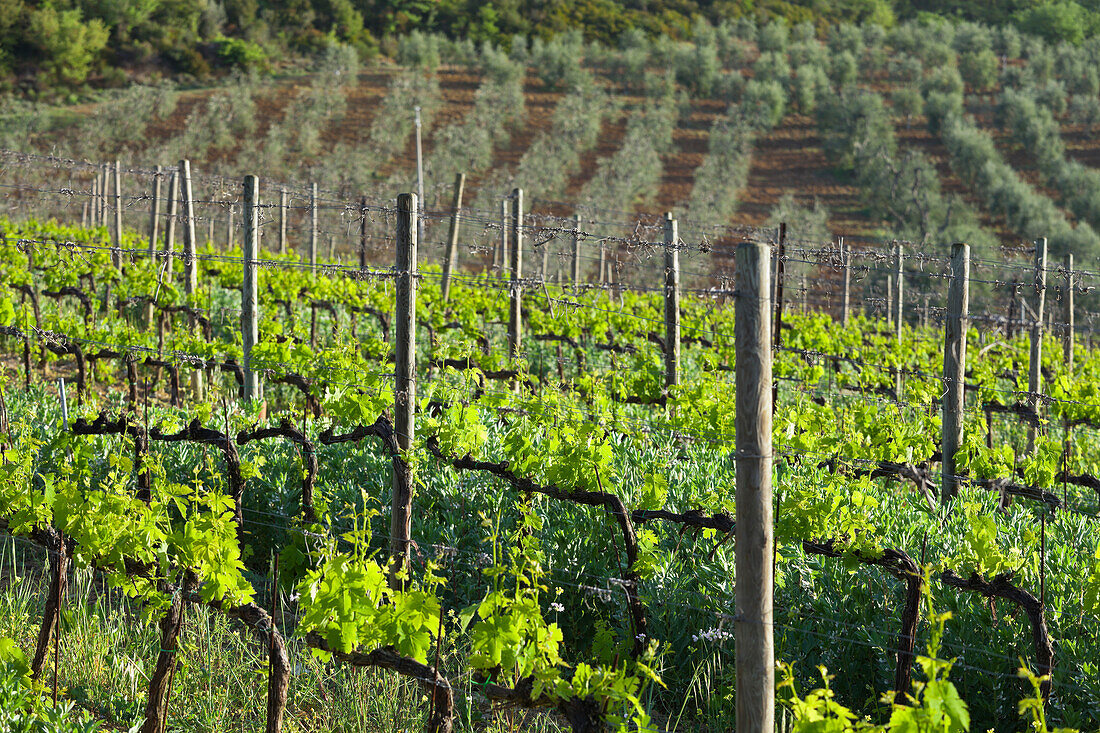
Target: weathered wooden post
point(154, 213)
point(954, 366)
point(313, 223)
point(363, 234)
point(1067, 314)
point(846, 264)
point(117, 254)
point(753, 639)
point(229, 229)
point(419, 173)
point(899, 291)
point(170, 229)
point(505, 255)
point(282, 220)
point(576, 250)
point(1034, 373)
point(452, 240)
point(515, 308)
point(672, 304)
point(93, 209)
point(404, 402)
point(250, 334)
point(191, 265)
point(899, 313)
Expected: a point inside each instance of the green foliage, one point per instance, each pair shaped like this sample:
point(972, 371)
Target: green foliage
point(23, 701)
point(241, 54)
point(69, 44)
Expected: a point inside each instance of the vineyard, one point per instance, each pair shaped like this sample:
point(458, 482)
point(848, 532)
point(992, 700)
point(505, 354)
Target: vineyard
point(295, 453)
point(531, 470)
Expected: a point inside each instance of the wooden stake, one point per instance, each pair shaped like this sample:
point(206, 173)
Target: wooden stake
point(229, 229)
point(899, 291)
point(117, 254)
point(191, 266)
point(93, 208)
point(404, 379)
point(505, 261)
point(173, 213)
point(954, 365)
point(154, 214)
point(1035, 375)
point(190, 269)
point(1067, 314)
point(753, 643)
point(576, 250)
point(452, 240)
point(846, 264)
point(282, 221)
point(672, 304)
point(515, 314)
point(250, 335)
point(313, 223)
point(363, 234)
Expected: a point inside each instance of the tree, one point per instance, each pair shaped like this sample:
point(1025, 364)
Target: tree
point(68, 43)
point(978, 69)
point(1057, 20)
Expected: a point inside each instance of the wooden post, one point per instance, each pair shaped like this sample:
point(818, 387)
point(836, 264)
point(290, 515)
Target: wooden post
point(250, 334)
point(899, 314)
point(229, 229)
point(154, 213)
point(93, 208)
point(404, 403)
point(1067, 314)
point(363, 234)
point(313, 223)
point(191, 266)
point(846, 266)
point(452, 241)
point(672, 304)
point(1035, 375)
point(104, 187)
point(576, 250)
point(603, 263)
point(899, 291)
point(210, 231)
point(505, 259)
point(84, 215)
point(954, 365)
point(781, 252)
point(282, 221)
point(419, 174)
point(889, 299)
point(173, 214)
point(753, 641)
point(515, 314)
point(191, 272)
point(117, 254)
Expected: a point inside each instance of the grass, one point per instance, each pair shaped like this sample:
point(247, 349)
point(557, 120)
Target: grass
point(108, 652)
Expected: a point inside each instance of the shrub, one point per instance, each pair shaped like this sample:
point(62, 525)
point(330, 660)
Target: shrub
point(764, 103)
point(810, 84)
point(843, 70)
point(852, 122)
point(244, 55)
point(419, 50)
point(907, 102)
point(558, 62)
point(978, 69)
point(774, 37)
point(772, 66)
point(68, 43)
